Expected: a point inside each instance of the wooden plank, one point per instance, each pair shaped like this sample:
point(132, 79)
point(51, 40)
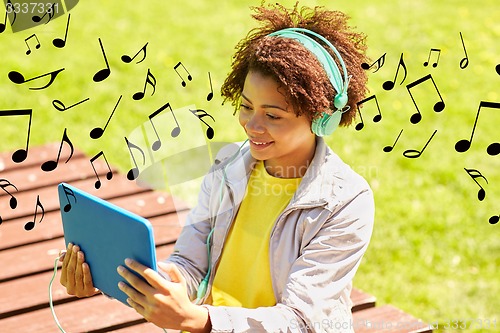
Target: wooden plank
point(26, 197)
point(85, 315)
point(361, 300)
point(34, 178)
point(36, 156)
point(387, 319)
point(146, 204)
point(40, 256)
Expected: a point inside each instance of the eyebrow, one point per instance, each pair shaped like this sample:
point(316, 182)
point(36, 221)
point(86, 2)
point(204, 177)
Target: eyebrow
point(266, 106)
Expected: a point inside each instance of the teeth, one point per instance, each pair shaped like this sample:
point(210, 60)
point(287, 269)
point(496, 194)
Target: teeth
point(260, 143)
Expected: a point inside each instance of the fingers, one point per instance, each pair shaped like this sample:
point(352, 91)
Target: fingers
point(71, 270)
point(172, 271)
point(67, 258)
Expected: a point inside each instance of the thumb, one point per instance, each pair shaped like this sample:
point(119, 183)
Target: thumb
point(172, 271)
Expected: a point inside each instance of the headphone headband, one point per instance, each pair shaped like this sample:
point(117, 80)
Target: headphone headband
point(338, 77)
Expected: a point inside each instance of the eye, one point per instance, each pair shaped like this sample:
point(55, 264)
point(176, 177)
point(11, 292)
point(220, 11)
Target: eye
point(273, 117)
point(244, 107)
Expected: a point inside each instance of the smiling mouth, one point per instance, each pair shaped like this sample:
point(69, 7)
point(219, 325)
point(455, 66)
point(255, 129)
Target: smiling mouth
point(261, 144)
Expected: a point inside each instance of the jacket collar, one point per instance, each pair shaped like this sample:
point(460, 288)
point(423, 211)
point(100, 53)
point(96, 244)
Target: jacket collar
point(317, 186)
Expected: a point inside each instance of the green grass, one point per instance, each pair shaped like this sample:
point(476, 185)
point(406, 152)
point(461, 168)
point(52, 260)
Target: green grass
point(433, 252)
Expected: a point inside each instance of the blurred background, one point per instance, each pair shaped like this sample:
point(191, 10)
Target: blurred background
point(434, 252)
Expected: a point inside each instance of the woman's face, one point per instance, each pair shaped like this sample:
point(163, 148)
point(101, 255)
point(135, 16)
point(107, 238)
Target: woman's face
point(276, 135)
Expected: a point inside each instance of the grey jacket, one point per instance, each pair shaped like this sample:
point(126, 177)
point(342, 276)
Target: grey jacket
point(315, 248)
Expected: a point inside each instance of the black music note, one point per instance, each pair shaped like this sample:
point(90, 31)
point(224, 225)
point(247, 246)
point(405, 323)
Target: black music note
point(200, 114)
point(30, 225)
point(388, 85)
point(438, 107)
point(189, 75)
point(376, 118)
point(134, 172)
point(497, 68)
point(51, 165)
point(102, 74)
point(109, 175)
point(97, 132)
point(4, 183)
point(61, 107)
point(379, 62)
point(18, 78)
point(20, 154)
point(494, 219)
point(150, 78)
point(412, 153)
point(175, 131)
point(49, 11)
point(211, 93)
point(473, 173)
point(464, 145)
point(4, 24)
point(388, 149)
point(68, 192)
point(58, 42)
point(37, 45)
point(429, 57)
point(465, 61)
point(127, 59)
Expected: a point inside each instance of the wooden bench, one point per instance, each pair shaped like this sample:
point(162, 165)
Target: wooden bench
point(27, 257)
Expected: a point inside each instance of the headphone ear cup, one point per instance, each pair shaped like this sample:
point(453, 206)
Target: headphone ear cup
point(326, 124)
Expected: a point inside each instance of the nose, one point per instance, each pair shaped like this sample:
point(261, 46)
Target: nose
point(254, 124)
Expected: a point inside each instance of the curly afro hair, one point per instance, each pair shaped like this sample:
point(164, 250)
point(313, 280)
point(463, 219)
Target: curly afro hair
point(305, 83)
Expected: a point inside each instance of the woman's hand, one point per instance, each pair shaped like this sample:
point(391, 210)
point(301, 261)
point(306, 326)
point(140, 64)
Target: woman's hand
point(76, 275)
point(161, 302)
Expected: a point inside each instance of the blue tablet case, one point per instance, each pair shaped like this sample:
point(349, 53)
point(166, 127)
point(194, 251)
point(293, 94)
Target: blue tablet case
point(107, 234)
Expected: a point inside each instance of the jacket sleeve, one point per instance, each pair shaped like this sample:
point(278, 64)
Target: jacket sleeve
point(316, 295)
point(190, 250)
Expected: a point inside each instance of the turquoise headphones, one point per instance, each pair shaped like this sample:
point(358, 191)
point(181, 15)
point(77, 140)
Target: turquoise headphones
point(327, 123)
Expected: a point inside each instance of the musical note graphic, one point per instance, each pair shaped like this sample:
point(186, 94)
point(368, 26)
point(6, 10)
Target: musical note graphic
point(388, 149)
point(211, 93)
point(494, 219)
point(50, 12)
point(126, 59)
point(109, 175)
point(175, 131)
point(429, 57)
point(31, 224)
point(97, 132)
point(4, 24)
point(200, 114)
point(376, 118)
point(388, 85)
point(497, 68)
point(134, 172)
point(412, 153)
point(68, 192)
point(37, 45)
point(438, 107)
point(20, 154)
point(464, 145)
point(379, 62)
point(4, 183)
point(189, 75)
point(18, 78)
point(60, 43)
point(150, 79)
point(465, 61)
point(61, 107)
point(102, 74)
point(473, 173)
point(51, 165)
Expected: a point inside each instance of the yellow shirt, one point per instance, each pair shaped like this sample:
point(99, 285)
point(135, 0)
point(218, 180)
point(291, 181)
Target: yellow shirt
point(243, 277)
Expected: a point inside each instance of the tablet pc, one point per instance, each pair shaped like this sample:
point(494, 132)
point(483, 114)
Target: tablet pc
point(107, 234)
